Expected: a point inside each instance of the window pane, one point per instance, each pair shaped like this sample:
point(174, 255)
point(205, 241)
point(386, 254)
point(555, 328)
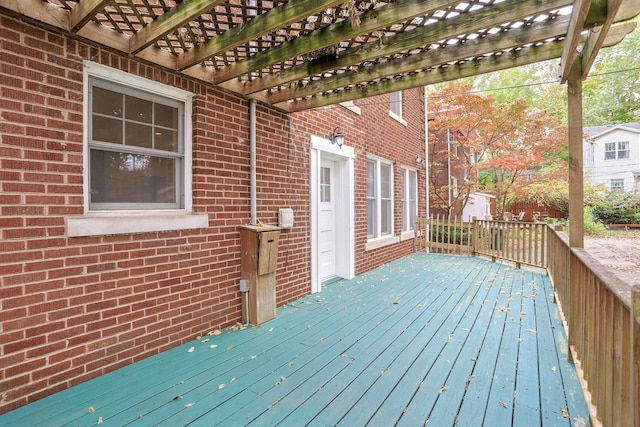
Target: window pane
point(166, 116)
point(623, 150)
point(138, 109)
point(325, 184)
point(105, 129)
point(139, 135)
point(385, 181)
point(131, 178)
point(371, 178)
point(165, 139)
point(371, 217)
point(385, 220)
point(106, 102)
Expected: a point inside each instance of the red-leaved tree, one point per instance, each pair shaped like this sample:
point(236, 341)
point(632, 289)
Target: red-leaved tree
point(478, 145)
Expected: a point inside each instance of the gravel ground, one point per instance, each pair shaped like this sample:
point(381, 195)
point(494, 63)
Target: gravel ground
point(619, 252)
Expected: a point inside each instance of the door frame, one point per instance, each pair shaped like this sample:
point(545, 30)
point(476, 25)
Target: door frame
point(344, 159)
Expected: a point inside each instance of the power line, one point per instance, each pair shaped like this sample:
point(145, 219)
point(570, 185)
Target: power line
point(533, 84)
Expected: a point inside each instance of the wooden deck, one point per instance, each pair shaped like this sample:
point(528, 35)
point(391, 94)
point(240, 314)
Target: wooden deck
point(448, 340)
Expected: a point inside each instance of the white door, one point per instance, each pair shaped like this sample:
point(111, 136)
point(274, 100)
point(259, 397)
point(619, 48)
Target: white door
point(327, 220)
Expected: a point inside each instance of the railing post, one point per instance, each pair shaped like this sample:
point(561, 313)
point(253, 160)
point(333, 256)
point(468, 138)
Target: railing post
point(634, 416)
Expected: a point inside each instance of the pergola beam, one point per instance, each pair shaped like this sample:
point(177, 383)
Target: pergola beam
point(84, 11)
point(574, 33)
point(426, 60)
point(424, 78)
point(369, 21)
point(596, 37)
point(516, 58)
point(177, 17)
point(262, 24)
point(512, 10)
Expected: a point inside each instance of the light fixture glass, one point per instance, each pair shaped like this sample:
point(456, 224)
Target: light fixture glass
point(337, 137)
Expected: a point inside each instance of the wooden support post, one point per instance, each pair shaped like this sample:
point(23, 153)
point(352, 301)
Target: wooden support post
point(634, 395)
point(576, 185)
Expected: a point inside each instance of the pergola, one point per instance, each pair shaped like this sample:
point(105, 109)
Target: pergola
point(296, 55)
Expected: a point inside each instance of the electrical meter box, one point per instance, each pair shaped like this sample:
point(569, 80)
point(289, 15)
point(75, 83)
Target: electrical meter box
point(259, 259)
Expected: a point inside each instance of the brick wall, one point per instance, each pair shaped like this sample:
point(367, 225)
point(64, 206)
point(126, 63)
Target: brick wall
point(74, 308)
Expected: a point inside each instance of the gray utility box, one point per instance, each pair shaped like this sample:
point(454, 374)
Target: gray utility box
point(259, 259)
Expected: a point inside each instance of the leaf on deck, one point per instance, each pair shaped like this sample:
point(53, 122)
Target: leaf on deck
point(565, 413)
point(221, 386)
point(443, 389)
point(229, 347)
point(503, 404)
point(91, 409)
point(396, 302)
point(215, 332)
point(178, 397)
point(189, 404)
point(533, 331)
point(100, 420)
point(213, 346)
point(191, 350)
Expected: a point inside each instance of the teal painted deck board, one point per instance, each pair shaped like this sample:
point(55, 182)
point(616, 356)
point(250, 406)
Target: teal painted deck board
point(427, 337)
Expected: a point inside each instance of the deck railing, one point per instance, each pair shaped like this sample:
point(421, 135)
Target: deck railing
point(602, 315)
point(519, 242)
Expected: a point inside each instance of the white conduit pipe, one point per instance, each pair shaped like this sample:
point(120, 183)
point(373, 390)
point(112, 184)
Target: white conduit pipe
point(252, 157)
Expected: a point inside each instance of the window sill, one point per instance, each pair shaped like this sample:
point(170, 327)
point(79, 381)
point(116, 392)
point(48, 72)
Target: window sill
point(381, 242)
point(398, 118)
point(407, 235)
point(97, 225)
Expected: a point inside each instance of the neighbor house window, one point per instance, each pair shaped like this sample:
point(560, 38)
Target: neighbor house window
point(617, 185)
point(379, 198)
point(137, 144)
point(616, 150)
point(409, 182)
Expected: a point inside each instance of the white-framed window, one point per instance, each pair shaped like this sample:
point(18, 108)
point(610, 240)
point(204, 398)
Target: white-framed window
point(395, 107)
point(136, 158)
point(396, 103)
point(617, 185)
point(379, 197)
point(409, 182)
point(136, 144)
point(616, 150)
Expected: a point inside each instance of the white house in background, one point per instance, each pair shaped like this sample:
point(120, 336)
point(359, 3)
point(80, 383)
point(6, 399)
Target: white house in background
point(478, 206)
point(612, 156)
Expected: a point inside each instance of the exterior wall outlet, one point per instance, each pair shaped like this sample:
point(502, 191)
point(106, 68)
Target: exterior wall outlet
point(285, 218)
point(244, 285)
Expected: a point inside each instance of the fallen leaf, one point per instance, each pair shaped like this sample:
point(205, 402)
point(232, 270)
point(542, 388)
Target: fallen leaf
point(442, 389)
point(396, 302)
point(100, 420)
point(198, 337)
point(215, 332)
point(405, 409)
point(191, 350)
point(221, 386)
point(533, 331)
point(189, 404)
point(233, 380)
point(520, 339)
point(291, 363)
point(213, 346)
point(553, 368)
point(205, 340)
point(91, 409)
point(177, 397)
point(181, 382)
point(503, 404)
point(565, 413)
point(229, 347)
point(271, 330)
